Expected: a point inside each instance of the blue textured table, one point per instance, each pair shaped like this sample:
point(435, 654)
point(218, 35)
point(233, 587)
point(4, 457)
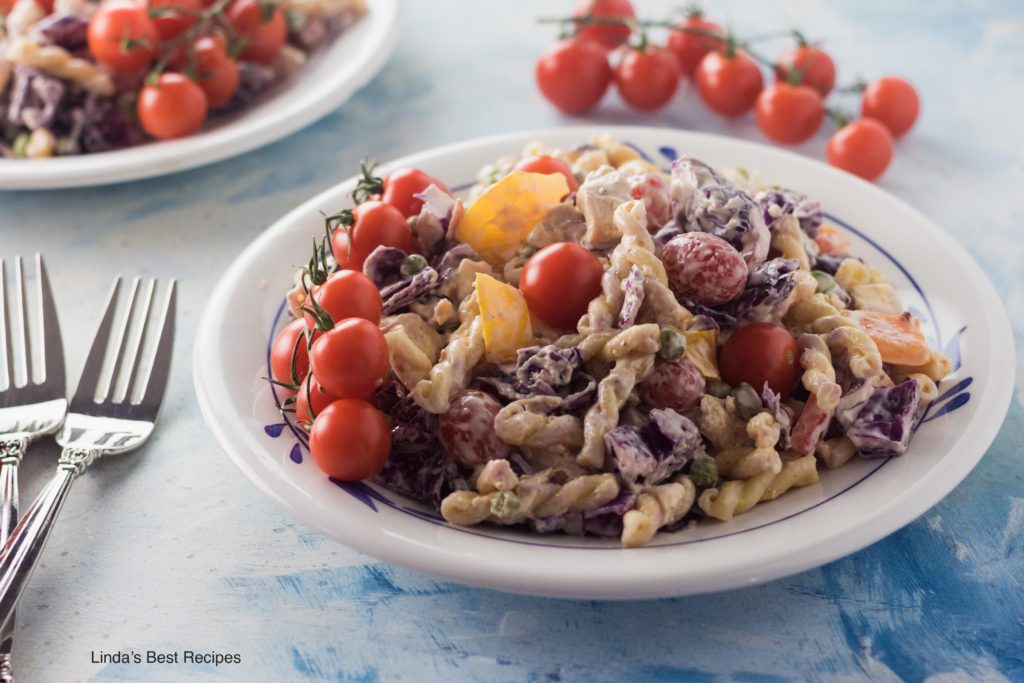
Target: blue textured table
point(172, 550)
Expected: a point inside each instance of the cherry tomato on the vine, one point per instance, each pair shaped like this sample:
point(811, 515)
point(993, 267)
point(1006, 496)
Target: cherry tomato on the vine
point(647, 79)
point(729, 84)
point(348, 294)
point(174, 17)
point(351, 359)
point(607, 35)
point(807, 65)
point(542, 163)
point(789, 114)
point(217, 73)
point(760, 353)
point(350, 440)
point(376, 224)
point(310, 401)
point(559, 281)
point(573, 75)
point(893, 102)
point(113, 24)
point(863, 147)
point(173, 107)
point(264, 36)
point(690, 48)
point(290, 340)
point(402, 185)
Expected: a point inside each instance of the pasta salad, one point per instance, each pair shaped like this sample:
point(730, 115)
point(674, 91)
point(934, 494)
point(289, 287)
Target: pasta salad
point(81, 76)
point(590, 345)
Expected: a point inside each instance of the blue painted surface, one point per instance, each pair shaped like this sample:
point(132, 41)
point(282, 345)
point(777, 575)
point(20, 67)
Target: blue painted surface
point(173, 550)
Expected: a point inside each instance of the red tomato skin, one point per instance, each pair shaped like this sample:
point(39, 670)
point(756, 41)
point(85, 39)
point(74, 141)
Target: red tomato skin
point(348, 294)
point(704, 268)
point(113, 22)
point(281, 353)
point(607, 36)
point(690, 48)
point(350, 360)
point(559, 281)
point(816, 69)
point(810, 427)
point(542, 163)
point(401, 186)
point(310, 401)
point(350, 440)
point(863, 148)
point(893, 102)
point(173, 25)
point(265, 38)
point(675, 384)
point(466, 429)
point(173, 108)
point(647, 79)
point(217, 73)
point(573, 75)
point(789, 114)
point(761, 353)
point(376, 223)
point(729, 85)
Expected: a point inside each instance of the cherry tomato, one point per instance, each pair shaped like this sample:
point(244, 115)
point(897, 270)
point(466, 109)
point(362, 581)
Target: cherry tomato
point(863, 148)
point(376, 224)
point(216, 72)
point(893, 102)
point(807, 65)
point(704, 268)
point(810, 428)
point(172, 24)
point(310, 401)
point(350, 440)
point(690, 48)
point(789, 114)
point(467, 429)
point(573, 75)
point(607, 35)
point(760, 353)
point(290, 340)
point(111, 25)
point(348, 294)
point(559, 281)
point(647, 79)
point(675, 384)
point(728, 84)
point(542, 163)
point(172, 108)
point(264, 36)
point(401, 186)
point(351, 359)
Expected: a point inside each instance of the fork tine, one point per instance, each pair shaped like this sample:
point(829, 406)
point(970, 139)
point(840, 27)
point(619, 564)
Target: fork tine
point(135, 353)
point(26, 339)
point(86, 390)
point(49, 330)
point(122, 340)
point(156, 383)
point(8, 379)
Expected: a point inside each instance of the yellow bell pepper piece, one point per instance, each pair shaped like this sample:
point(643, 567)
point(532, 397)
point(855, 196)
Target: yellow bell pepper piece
point(702, 351)
point(506, 319)
point(500, 219)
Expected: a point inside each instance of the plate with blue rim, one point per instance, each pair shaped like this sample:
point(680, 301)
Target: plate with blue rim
point(849, 508)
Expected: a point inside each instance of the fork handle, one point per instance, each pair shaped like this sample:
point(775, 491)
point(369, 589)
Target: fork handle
point(23, 549)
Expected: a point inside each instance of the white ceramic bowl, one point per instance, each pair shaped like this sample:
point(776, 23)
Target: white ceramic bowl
point(850, 508)
point(333, 75)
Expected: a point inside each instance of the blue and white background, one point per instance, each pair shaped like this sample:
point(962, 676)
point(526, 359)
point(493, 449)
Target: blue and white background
point(171, 549)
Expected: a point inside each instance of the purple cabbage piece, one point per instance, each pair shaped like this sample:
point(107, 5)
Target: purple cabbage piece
point(651, 454)
point(400, 294)
point(449, 262)
point(545, 369)
point(773, 402)
point(253, 81)
point(711, 318)
point(65, 30)
point(35, 98)
point(665, 235)
point(104, 126)
point(851, 403)
point(384, 265)
point(606, 521)
point(547, 525)
point(633, 297)
point(703, 322)
point(829, 263)
point(780, 202)
point(885, 421)
point(704, 201)
point(768, 287)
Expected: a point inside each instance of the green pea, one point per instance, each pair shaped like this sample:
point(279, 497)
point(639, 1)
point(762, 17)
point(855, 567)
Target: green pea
point(748, 403)
point(413, 264)
point(704, 472)
point(505, 504)
point(717, 388)
point(672, 343)
point(826, 283)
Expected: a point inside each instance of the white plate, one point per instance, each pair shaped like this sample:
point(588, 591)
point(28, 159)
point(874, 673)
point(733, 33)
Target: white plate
point(333, 75)
point(850, 507)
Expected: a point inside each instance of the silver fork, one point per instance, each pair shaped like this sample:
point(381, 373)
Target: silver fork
point(104, 419)
point(33, 399)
